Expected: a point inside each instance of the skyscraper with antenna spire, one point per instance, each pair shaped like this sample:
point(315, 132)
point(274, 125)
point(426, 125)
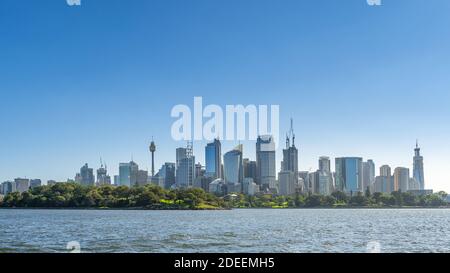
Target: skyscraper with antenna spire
point(290, 154)
point(288, 176)
point(418, 173)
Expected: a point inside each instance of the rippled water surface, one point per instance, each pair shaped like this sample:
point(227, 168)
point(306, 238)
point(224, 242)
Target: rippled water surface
point(253, 230)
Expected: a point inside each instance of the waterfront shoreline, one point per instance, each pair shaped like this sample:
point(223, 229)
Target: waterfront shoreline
point(219, 209)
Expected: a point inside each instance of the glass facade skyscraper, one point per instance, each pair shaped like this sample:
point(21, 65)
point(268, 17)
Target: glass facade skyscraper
point(128, 174)
point(349, 174)
point(167, 173)
point(213, 159)
point(265, 162)
point(87, 176)
point(233, 166)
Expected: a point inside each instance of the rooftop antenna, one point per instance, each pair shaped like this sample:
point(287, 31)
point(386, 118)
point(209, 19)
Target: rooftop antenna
point(291, 132)
point(287, 141)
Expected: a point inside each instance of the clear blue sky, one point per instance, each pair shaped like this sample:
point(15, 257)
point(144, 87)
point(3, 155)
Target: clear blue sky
point(80, 83)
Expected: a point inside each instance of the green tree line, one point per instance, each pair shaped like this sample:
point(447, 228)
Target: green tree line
point(72, 195)
point(341, 199)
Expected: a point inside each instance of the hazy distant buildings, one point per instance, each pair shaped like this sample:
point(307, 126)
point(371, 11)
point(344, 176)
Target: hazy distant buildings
point(349, 174)
point(385, 170)
point(202, 182)
point(418, 173)
point(7, 187)
point(86, 177)
point(185, 169)
point(249, 186)
point(51, 182)
point(21, 184)
point(304, 182)
point(167, 173)
point(34, 183)
point(102, 175)
point(265, 163)
point(142, 178)
point(213, 159)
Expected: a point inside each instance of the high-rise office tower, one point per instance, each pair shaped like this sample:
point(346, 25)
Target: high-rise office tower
point(385, 170)
point(322, 182)
point(233, 166)
point(87, 176)
point(368, 174)
point(323, 178)
point(124, 174)
point(142, 178)
point(134, 173)
point(349, 174)
point(167, 173)
point(185, 171)
point(324, 164)
point(384, 182)
point(265, 162)
point(287, 183)
point(213, 159)
point(418, 173)
point(128, 174)
point(401, 179)
point(250, 169)
point(199, 170)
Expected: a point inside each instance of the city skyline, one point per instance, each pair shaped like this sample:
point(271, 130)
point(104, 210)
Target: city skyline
point(358, 80)
point(351, 174)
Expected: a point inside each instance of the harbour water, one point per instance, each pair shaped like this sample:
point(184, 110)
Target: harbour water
point(231, 231)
